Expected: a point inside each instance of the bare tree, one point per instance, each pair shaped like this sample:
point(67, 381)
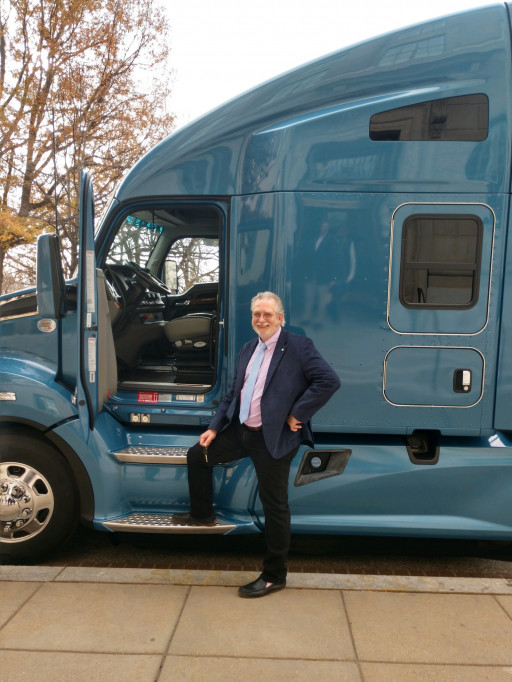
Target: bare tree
point(83, 84)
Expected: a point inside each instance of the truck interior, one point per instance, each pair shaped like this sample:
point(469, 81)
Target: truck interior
point(162, 279)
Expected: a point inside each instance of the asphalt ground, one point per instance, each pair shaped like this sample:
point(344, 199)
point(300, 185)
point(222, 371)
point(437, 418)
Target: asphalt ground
point(309, 554)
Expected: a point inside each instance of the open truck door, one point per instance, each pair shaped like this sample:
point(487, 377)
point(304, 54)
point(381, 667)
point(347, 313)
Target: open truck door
point(96, 371)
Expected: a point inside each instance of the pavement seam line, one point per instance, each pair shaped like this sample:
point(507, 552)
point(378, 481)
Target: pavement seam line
point(352, 639)
point(55, 577)
point(509, 616)
point(171, 636)
point(21, 606)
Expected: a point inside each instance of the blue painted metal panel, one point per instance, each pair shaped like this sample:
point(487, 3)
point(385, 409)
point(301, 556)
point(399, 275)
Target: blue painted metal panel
point(308, 129)
point(39, 399)
point(123, 488)
point(21, 339)
point(503, 399)
point(425, 376)
point(466, 494)
point(339, 299)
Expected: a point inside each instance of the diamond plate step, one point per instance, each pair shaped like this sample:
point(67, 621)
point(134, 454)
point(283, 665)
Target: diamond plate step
point(162, 523)
point(152, 455)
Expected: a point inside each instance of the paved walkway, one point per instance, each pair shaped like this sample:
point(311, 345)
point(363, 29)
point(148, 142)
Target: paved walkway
point(167, 625)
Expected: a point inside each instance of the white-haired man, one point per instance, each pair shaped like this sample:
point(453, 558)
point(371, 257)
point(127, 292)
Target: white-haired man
point(281, 380)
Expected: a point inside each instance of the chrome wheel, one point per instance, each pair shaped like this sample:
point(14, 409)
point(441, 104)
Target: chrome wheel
point(26, 502)
point(39, 502)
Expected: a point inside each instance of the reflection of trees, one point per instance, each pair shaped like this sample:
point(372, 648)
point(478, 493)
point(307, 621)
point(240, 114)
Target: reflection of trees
point(197, 260)
point(134, 242)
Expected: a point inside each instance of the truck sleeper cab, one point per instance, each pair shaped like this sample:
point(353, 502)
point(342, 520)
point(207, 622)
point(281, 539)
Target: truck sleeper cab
point(371, 190)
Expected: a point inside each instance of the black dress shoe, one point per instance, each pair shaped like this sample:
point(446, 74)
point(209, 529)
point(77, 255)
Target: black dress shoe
point(188, 520)
point(258, 588)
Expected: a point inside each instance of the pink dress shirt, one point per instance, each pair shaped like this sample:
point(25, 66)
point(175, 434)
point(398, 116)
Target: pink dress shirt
point(254, 418)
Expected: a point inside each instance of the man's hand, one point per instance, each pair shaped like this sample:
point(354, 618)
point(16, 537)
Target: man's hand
point(207, 437)
point(294, 424)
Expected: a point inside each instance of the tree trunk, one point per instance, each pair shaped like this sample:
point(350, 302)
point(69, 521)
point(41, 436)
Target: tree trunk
point(2, 259)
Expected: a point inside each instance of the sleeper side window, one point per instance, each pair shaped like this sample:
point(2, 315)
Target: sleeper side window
point(449, 119)
point(440, 261)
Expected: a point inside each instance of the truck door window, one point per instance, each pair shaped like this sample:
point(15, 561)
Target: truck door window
point(440, 264)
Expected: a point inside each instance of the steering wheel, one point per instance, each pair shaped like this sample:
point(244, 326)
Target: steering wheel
point(148, 279)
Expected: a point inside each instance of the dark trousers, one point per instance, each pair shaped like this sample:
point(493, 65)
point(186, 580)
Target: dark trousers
point(234, 443)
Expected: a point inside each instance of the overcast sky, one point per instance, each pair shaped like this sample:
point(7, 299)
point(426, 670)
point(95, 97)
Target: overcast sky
point(220, 48)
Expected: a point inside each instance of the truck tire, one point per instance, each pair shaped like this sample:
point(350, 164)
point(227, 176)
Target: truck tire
point(38, 498)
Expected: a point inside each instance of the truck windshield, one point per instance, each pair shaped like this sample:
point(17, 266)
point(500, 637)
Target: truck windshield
point(134, 241)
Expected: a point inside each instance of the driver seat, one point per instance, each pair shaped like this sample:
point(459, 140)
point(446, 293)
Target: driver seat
point(193, 340)
point(190, 332)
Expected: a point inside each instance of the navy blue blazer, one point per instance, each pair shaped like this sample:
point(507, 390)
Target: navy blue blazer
point(299, 382)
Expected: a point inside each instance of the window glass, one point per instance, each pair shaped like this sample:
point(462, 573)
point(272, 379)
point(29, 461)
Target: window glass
point(195, 261)
point(450, 118)
point(178, 244)
point(440, 261)
point(135, 240)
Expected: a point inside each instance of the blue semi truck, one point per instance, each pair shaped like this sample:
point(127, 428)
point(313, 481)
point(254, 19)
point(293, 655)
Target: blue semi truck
point(371, 190)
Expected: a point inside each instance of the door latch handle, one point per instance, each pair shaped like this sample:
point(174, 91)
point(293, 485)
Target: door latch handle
point(462, 379)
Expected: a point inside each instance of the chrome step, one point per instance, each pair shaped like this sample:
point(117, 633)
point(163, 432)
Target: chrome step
point(162, 523)
point(152, 455)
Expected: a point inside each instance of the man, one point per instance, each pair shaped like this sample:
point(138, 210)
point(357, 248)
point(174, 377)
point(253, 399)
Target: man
point(265, 416)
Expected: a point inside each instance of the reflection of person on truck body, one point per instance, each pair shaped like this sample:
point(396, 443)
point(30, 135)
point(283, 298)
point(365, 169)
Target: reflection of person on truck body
point(320, 275)
point(266, 421)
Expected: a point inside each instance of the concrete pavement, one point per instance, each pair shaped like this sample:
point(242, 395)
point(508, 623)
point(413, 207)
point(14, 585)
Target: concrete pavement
point(146, 625)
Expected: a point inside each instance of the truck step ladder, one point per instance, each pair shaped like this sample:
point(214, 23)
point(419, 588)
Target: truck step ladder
point(162, 523)
point(136, 454)
point(159, 523)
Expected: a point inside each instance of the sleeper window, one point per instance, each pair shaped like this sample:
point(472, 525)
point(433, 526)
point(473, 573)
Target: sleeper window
point(451, 118)
point(440, 263)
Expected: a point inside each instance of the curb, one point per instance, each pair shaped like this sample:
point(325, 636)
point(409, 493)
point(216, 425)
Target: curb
point(318, 581)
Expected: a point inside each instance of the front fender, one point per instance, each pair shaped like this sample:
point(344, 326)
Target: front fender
point(30, 394)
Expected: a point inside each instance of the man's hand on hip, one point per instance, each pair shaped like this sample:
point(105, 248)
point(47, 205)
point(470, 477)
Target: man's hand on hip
point(294, 424)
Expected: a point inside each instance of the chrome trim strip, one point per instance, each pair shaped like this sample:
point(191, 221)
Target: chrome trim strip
point(451, 407)
point(439, 203)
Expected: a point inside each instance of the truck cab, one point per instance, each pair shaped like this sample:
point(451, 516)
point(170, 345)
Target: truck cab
point(369, 189)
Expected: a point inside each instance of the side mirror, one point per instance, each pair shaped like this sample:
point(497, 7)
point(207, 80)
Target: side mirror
point(51, 289)
point(171, 275)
